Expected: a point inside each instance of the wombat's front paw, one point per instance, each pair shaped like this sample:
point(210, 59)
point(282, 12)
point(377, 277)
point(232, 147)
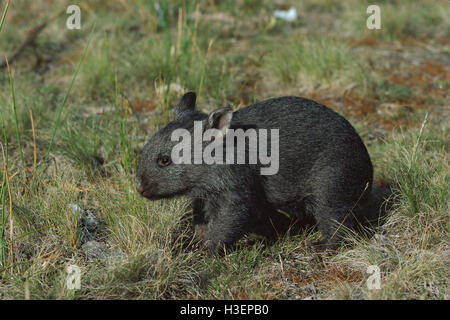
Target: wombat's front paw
point(212, 245)
point(200, 231)
point(320, 246)
point(215, 248)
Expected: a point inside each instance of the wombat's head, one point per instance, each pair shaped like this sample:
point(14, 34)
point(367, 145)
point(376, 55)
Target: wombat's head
point(158, 175)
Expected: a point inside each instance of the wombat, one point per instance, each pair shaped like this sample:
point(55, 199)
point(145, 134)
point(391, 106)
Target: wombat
point(324, 172)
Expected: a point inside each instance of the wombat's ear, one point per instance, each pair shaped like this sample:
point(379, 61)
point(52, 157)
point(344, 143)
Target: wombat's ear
point(219, 119)
point(185, 105)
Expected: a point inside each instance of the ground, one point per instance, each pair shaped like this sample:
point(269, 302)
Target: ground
point(71, 139)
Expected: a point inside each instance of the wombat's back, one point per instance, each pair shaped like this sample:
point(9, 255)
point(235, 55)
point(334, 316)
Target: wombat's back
point(314, 143)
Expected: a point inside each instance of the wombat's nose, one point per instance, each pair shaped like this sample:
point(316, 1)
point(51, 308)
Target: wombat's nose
point(139, 186)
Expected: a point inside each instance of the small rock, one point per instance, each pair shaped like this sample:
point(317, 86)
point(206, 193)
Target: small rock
point(116, 256)
point(95, 250)
point(379, 238)
point(90, 226)
point(91, 230)
point(75, 208)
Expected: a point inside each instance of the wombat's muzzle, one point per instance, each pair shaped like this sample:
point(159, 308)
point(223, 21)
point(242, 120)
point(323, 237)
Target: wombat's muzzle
point(143, 187)
point(139, 187)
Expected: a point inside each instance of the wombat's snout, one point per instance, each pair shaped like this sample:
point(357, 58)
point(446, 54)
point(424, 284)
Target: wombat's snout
point(143, 187)
point(138, 184)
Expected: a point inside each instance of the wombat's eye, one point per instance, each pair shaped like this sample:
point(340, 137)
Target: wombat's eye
point(164, 161)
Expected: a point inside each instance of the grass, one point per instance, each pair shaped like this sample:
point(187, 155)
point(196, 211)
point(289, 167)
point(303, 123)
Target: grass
point(417, 230)
point(317, 61)
point(93, 109)
point(4, 14)
point(82, 145)
point(5, 194)
point(13, 103)
point(63, 103)
point(171, 58)
point(388, 91)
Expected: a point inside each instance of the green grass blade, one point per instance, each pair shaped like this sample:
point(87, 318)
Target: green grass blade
point(3, 216)
point(61, 107)
point(4, 14)
point(16, 121)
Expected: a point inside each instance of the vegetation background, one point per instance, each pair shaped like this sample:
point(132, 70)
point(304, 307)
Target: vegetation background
point(76, 107)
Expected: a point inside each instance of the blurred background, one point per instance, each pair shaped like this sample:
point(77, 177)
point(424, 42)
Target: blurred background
point(237, 52)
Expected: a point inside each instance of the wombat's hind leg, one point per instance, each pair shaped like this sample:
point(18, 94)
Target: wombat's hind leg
point(272, 224)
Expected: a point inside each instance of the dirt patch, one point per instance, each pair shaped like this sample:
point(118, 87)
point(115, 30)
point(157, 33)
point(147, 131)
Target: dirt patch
point(335, 276)
point(368, 40)
point(143, 105)
point(430, 77)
